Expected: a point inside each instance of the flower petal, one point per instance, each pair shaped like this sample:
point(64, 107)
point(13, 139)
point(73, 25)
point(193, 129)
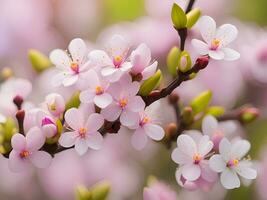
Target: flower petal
point(207, 173)
point(94, 122)
point(140, 58)
point(18, 142)
point(16, 164)
point(217, 163)
point(41, 159)
point(58, 79)
point(240, 148)
point(60, 59)
point(191, 172)
point(200, 47)
point(150, 70)
point(204, 145)
point(139, 139)
point(180, 158)
point(81, 146)
point(229, 179)
point(78, 50)
point(111, 112)
point(216, 54)
point(103, 100)
point(95, 140)
point(136, 104)
point(70, 79)
point(109, 70)
point(49, 130)
point(186, 145)
point(230, 54)
point(154, 131)
point(245, 171)
point(207, 28)
point(74, 118)
point(87, 96)
point(129, 118)
point(100, 58)
point(125, 66)
point(115, 90)
point(227, 33)
point(68, 139)
point(225, 149)
point(34, 139)
point(149, 194)
point(91, 79)
point(117, 46)
point(209, 125)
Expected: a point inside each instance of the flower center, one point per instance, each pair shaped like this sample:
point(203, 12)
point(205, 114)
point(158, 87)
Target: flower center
point(53, 107)
point(123, 102)
point(215, 43)
point(24, 154)
point(197, 158)
point(144, 121)
point(82, 132)
point(99, 90)
point(117, 60)
point(74, 67)
point(232, 163)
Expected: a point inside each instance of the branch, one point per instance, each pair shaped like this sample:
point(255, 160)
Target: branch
point(190, 6)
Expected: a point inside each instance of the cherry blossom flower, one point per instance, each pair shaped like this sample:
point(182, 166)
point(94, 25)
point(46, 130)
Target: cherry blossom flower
point(25, 151)
point(217, 131)
point(230, 164)
point(55, 104)
point(71, 67)
point(126, 104)
point(84, 132)
point(113, 61)
point(216, 40)
point(97, 91)
point(140, 59)
point(145, 127)
point(191, 158)
point(47, 124)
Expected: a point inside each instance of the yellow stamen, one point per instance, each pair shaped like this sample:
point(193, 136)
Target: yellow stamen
point(215, 43)
point(82, 132)
point(99, 90)
point(197, 158)
point(74, 67)
point(123, 102)
point(24, 154)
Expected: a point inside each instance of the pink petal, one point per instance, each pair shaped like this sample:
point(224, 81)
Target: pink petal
point(103, 100)
point(68, 139)
point(111, 112)
point(18, 142)
point(41, 159)
point(91, 79)
point(117, 46)
point(200, 47)
point(87, 96)
point(217, 163)
point(78, 50)
point(131, 89)
point(58, 79)
point(34, 139)
point(94, 122)
point(230, 54)
point(229, 179)
point(115, 90)
point(126, 66)
point(209, 125)
point(95, 140)
point(150, 70)
point(204, 145)
point(180, 158)
point(154, 131)
point(207, 27)
point(216, 55)
point(109, 70)
point(16, 164)
point(100, 58)
point(74, 118)
point(129, 118)
point(136, 104)
point(186, 145)
point(115, 76)
point(70, 80)
point(191, 172)
point(60, 58)
point(227, 33)
point(240, 148)
point(207, 173)
point(139, 139)
point(140, 58)
point(50, 130)
point(81, 146)
point(149, 194)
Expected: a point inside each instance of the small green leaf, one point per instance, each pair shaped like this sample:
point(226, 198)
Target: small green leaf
point(150, 84)
point(192, 17)
point(74, 101)
point(201, 102)
point(100, 191)
point(82, 193)
point(39, 61)
point(184, 61)
point(178, 16)
point(216, 111)
point(172, 61)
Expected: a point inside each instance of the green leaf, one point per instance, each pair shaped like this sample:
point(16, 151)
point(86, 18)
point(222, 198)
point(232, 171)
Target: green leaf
point(216, 111)
point(150, 84)
point(178, 16)
point(74, 101)
point(184, 61)
point(172, 61)
point(100, 191)
point(201, 102)
point(192, 17)
point(39, 61)
point(82, 193)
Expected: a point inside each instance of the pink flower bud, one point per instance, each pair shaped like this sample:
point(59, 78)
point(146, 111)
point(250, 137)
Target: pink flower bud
point(55, 104)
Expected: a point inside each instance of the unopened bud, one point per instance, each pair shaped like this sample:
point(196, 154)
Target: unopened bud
point(192, 17)
point(187, 115)
point(202, 62)
point(173, 98)
point(184, 61)
point(82, 193)
point(39, 61)
point(249, 114)
point(178, 16)
point(150, 84)
point(20, 115)
point(201, 102)
point(55, 104)
point(171, 130)
point(18, 100)
point(172, 61)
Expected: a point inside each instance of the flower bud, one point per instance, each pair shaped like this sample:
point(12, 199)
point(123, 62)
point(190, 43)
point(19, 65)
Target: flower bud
point(202, 62)
point(100, 191)
point(18, 100)
point(178, 16)
point(39, 61)
point(187, 115)
point(6, 73)
point(192, 17)
point(82, 193)
point(172, 61)
point(201, 102)
point(184, 61)
point(49, 127)
point(171, 130)
point(55, 104)
point(173, 98)
point(150, 84)
point(216, 111)
point(249, 114)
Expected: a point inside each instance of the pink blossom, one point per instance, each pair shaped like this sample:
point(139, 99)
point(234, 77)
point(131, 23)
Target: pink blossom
point(230, 164)
point(140, 59)
point(216, 40)
point(84, 132)
point(47, 124)
point(126, 104)
point(159, 191)
point(97, 91)
point(25, 151)
point(113, 61)
point(72, 67)
point(55, 104)
point(146, 127)
point(191, 158)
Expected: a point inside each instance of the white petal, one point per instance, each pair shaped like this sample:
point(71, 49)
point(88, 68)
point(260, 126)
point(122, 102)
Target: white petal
point(117, 46)
point(58, 79)
point(186, 145)
point(230, 54)
point(191, 172)
point(109, 70)
point(207, 27)
point(87, 96)
point(70, 80)
point(94, 122)
point(229, 179)
point(200, 47)
point(204, 145)
point(100, 58)
point(49, 130)
point(41, 159)
point(150, 70)
point(125, 66)
point(209, 125)
point(217, 163)
point(180, 158)
point(60, 59)
point(78, 50)
point(154, 131)
point(74, 118)
point(245, 171)
point(91, 79)
point(216, 54)
point(136, 104)
point(95, 140)
point(140, 58)
point(67, 139)
point(139, 139)
point(129, 118)
point(34, 139)
point(228, 127)
point(111, 112)
point(226, 33)
point(103, 100)
point(18, 142)
point(81, 146)
point(239, 149)
point(225, 149)
point(131, 89)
